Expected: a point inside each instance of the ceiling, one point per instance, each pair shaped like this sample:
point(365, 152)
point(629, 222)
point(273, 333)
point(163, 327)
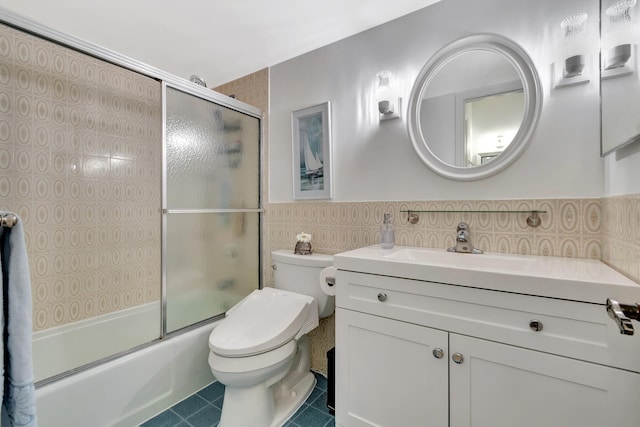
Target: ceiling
point(219, 40)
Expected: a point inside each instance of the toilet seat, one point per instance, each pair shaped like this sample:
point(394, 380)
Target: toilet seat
point(242, 365)
point(264, 320)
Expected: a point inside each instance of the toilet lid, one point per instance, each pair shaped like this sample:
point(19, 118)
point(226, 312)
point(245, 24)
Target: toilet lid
point(264, 320)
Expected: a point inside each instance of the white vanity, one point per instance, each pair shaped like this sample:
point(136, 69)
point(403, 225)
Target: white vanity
point(430, 338)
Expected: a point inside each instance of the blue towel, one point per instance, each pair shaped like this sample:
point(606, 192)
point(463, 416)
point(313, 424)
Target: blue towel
point(18, 391)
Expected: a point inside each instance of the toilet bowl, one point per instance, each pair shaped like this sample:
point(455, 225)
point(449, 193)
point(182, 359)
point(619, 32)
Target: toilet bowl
point(260, 351)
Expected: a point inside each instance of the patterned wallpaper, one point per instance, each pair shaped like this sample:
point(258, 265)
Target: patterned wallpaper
point(569, 227)
point(621, 234)
point(80, 155)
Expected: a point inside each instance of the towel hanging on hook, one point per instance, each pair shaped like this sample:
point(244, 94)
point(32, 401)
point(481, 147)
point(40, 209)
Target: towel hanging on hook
point(8, 219)
point(16, 387)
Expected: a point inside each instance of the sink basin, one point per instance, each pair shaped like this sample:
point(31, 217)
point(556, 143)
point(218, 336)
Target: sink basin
point(576, 279)
point(461, 260)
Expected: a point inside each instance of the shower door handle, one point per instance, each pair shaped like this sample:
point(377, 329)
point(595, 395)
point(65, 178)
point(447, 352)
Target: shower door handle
point(622, 314)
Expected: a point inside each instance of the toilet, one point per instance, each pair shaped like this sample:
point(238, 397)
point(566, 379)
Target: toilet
point(260, 351)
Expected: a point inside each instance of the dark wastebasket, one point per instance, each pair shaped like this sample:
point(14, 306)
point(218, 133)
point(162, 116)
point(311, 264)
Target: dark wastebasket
point(331, 381)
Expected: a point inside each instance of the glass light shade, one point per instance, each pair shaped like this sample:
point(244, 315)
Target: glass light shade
point(576, 41)
point(620, 11)
point(574, 24)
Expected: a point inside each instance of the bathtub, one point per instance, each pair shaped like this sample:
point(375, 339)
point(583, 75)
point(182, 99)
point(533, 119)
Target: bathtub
point(62, 348)
point(131, 389)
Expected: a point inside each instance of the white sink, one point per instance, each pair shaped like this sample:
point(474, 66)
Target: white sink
point(461, 260)
point(586, 280)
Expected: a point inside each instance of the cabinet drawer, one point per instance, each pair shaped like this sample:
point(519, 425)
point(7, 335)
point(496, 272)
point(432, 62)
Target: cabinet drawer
point(568, 328)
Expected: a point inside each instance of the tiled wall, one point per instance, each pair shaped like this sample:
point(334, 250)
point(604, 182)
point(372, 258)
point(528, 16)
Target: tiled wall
point(570, 227)
point(621, 234)
point(80, 155)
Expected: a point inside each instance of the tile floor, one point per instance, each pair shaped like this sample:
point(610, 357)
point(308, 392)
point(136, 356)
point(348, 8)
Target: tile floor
point(203, 409)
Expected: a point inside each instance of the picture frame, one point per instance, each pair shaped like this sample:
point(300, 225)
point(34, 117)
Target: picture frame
point(311, 148)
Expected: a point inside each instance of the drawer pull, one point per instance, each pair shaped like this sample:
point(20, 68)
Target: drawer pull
point(457, 358)
point(382, 297)
point(535, 325)
point(438, 353)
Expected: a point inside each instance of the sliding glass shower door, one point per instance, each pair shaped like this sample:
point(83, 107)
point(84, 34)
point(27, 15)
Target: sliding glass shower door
point(211, 212)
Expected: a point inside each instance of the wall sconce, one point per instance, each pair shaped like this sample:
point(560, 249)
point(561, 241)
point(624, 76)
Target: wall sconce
point(573, 68)
point(618, 35)
point(573, 27)
point(389, 103)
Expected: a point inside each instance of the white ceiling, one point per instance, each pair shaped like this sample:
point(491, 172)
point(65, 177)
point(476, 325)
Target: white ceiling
point(219, 40)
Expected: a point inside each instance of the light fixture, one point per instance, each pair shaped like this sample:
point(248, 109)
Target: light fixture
point(620, 12)
point(620, 34)
point(574, 29)
point(575, 51)
point(389, 104)
point(197, 80)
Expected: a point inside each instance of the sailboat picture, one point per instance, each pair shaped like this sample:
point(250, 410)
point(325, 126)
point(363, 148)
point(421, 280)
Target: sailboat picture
point(311, 149)
point(312, 165)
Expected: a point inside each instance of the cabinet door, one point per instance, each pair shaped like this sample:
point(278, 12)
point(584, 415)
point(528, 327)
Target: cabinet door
point(387, 374)
point(498, 385)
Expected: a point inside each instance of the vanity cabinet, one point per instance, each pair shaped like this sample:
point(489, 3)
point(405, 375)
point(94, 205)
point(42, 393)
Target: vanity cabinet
point(503, 385)
point(419, 353)
point(386, 374)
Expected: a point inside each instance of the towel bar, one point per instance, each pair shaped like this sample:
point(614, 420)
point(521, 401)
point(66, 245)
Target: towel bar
point(8, 220)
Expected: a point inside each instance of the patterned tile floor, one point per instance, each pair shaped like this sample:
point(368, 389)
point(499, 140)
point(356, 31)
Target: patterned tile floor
point(203, 409)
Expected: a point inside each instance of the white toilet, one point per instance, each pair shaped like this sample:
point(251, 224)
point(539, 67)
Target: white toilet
point(260, 351)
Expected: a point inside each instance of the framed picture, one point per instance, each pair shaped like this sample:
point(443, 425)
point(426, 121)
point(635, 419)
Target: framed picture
point(311, 132)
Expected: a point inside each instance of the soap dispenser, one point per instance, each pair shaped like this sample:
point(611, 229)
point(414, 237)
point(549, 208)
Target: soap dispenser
point(387, 236)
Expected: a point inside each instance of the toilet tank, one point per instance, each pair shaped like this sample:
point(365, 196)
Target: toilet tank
point(301, 274)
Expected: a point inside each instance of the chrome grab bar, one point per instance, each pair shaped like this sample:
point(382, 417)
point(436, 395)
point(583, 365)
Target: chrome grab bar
point(622, 314)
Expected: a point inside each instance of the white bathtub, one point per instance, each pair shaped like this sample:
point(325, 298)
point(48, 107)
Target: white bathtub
point(130, 389)
point(62, 348)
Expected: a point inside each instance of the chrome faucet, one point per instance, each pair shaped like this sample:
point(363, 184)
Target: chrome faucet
point(463, 241)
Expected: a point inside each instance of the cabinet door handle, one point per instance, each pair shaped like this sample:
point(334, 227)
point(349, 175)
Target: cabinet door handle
point(535, 325)
point(382, 297)
point(438, 353)
point(457, 358)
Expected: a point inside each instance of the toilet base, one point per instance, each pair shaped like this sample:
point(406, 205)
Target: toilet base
point(271, 405)
point(288, 404)
point(279, 407)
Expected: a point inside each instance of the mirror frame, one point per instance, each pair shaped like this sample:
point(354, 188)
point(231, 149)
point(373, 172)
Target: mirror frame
point(525, 69)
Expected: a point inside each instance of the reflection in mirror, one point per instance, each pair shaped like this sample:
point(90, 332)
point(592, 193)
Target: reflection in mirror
point(491, 122)
point(620, 83)
point(472, 108)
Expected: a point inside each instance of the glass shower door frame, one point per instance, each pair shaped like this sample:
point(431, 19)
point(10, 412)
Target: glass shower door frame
point(241, 108)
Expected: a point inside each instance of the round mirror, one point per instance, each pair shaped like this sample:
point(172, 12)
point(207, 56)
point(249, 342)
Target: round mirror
point(474, 106)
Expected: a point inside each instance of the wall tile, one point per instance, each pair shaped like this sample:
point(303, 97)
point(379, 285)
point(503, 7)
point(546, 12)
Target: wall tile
point(621, 234)
point(80, 150)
